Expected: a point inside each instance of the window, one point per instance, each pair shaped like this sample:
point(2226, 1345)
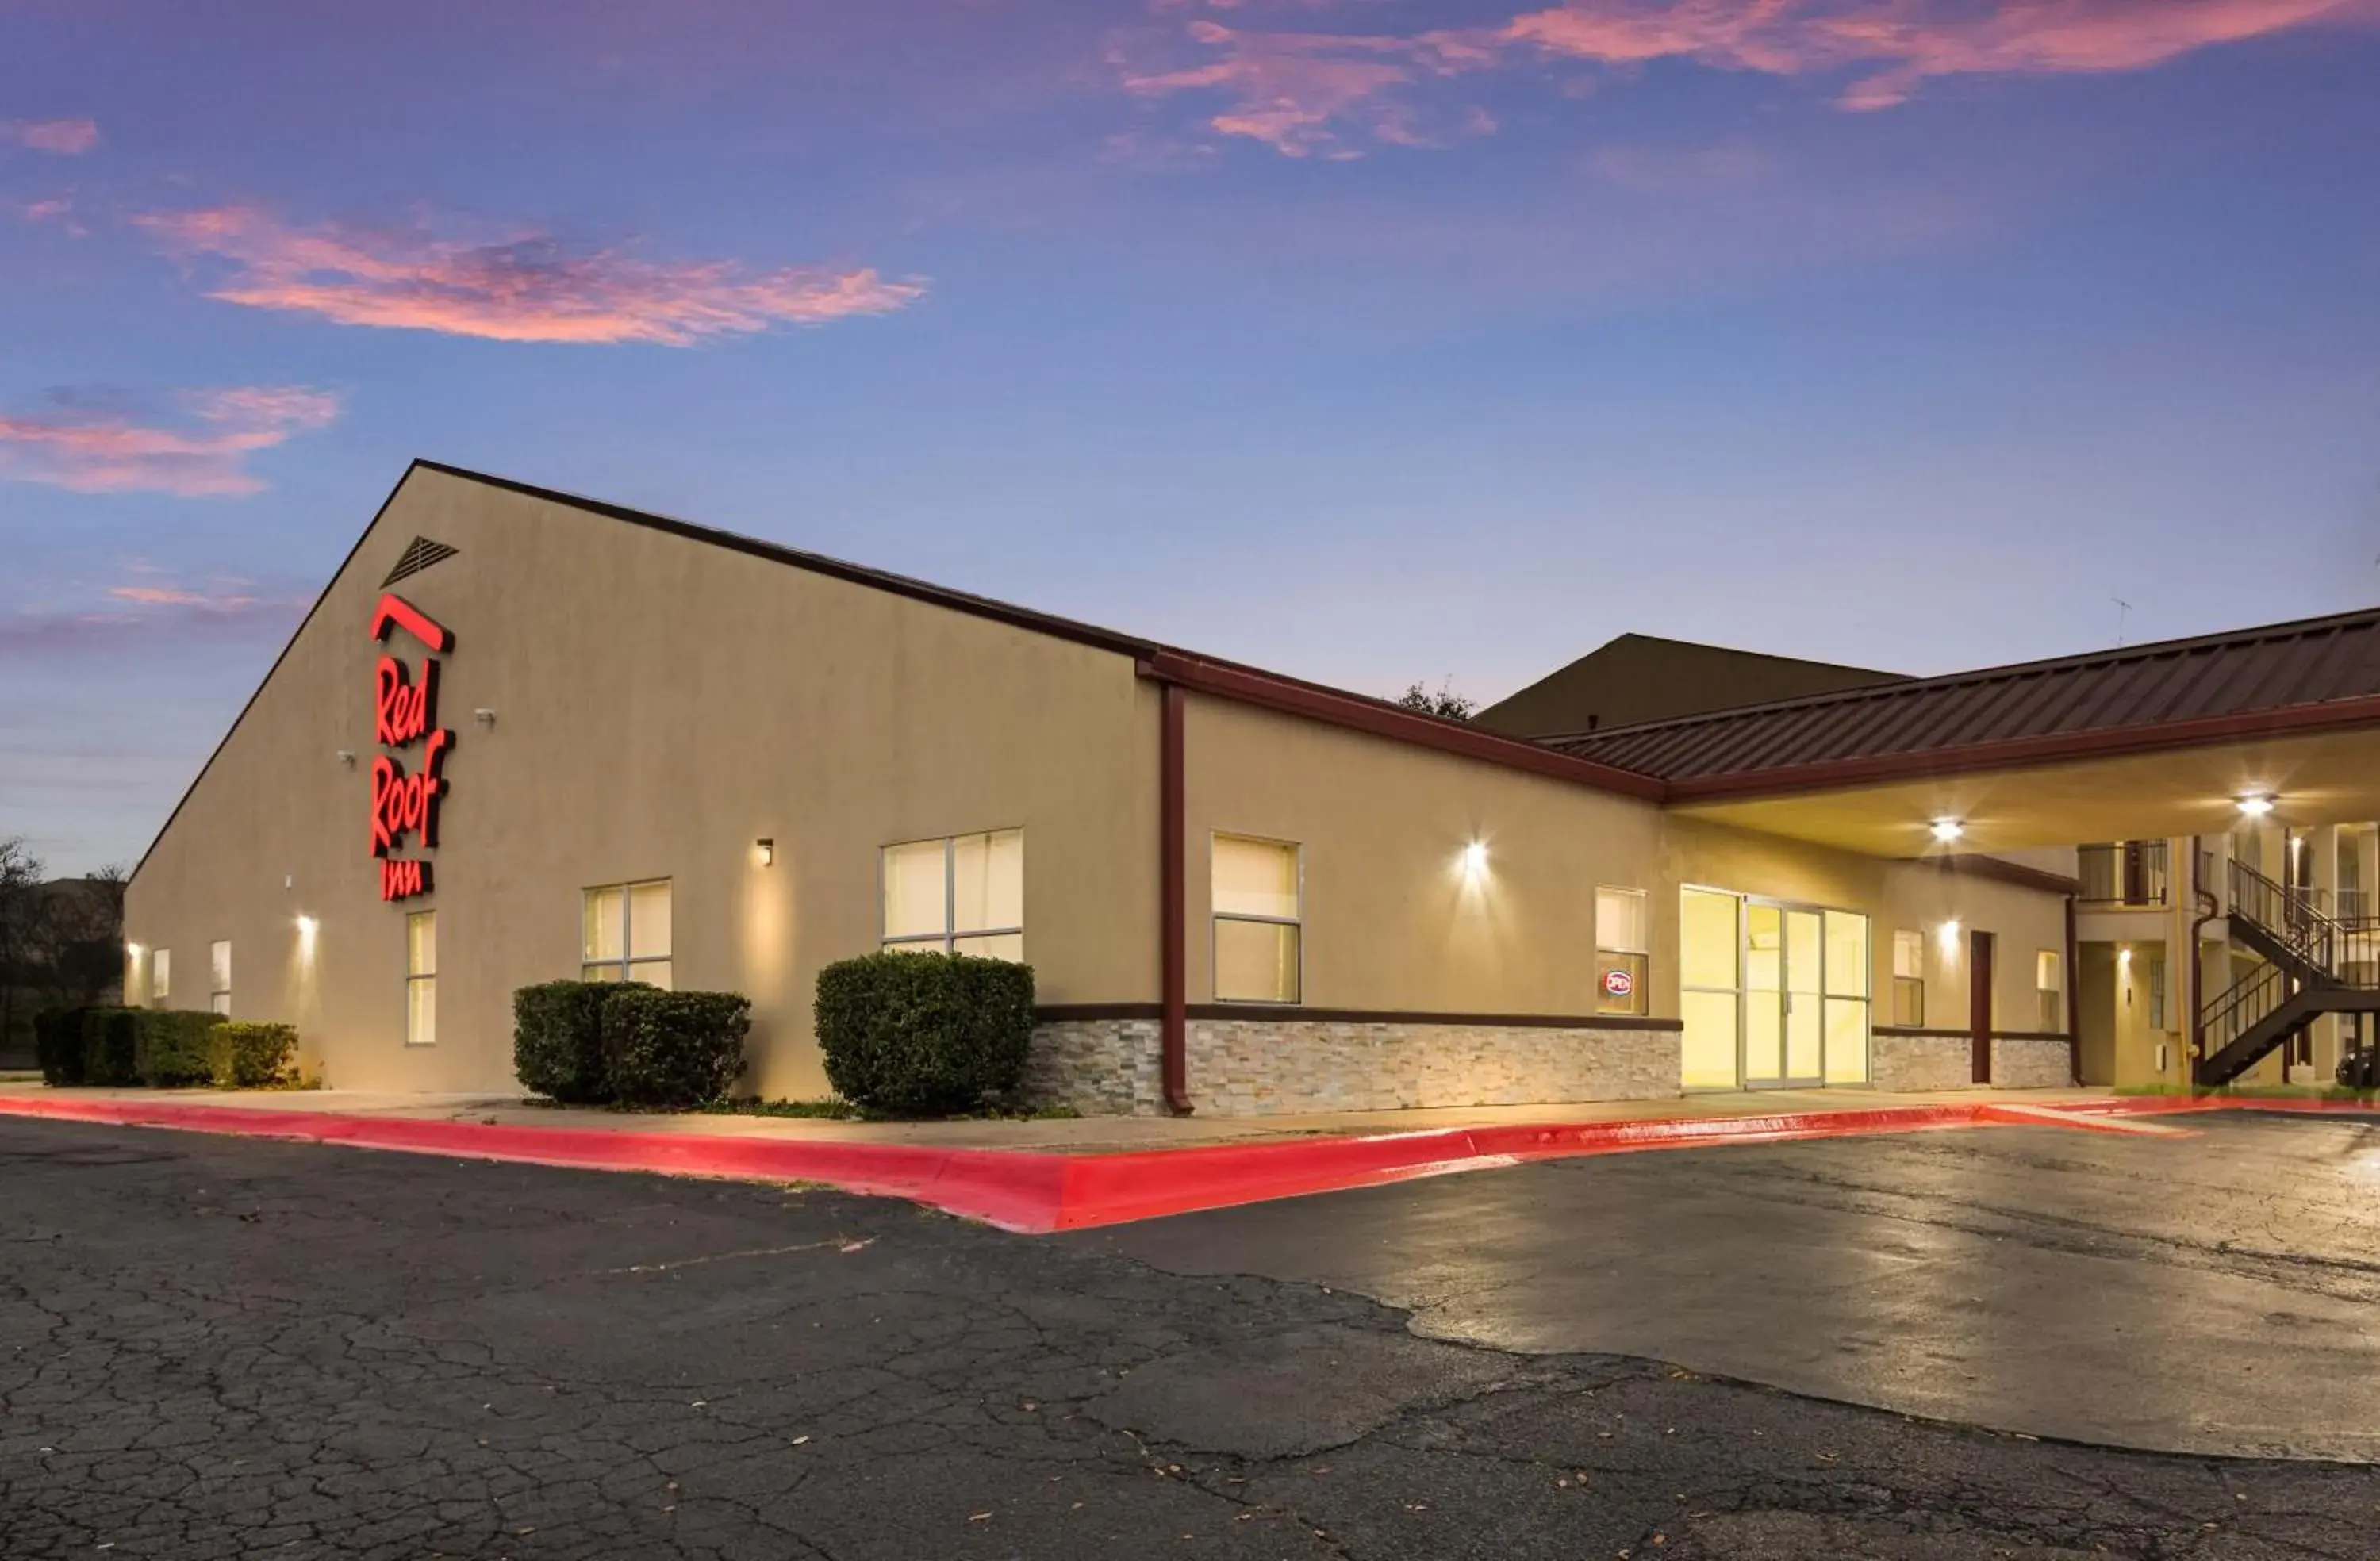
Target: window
point(1909, 979)
point(160, 977)
point(1710, 956)
point(421, 978)
point(2157, 994)
point(1620, 946)
point(219, 976)
point(1259, 950)
point(2049, 983)
point(1847, 978)
point(627, 933)
point(963, 895)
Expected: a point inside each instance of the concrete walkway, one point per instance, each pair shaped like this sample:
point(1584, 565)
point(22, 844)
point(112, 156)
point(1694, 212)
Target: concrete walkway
point(1078, 1135)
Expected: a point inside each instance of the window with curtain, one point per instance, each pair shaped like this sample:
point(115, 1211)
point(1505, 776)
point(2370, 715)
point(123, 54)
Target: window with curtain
point(219, 975)
point(1622, 943)
point(1259, 927)
point(421, 978)
point(963, 894)
point(625, 933)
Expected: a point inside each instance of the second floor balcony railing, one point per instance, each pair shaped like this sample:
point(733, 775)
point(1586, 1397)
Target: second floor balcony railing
point(2124, 874)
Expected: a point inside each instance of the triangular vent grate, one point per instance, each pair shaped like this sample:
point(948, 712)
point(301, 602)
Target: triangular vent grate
point(418, 555)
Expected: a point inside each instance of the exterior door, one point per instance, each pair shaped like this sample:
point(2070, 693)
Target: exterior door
point(1784, 996)
point(1979, 1003)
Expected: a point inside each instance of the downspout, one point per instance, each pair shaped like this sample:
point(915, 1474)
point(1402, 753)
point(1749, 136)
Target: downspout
point(2073, 999)
point(1173, 954)
point(2203, 896)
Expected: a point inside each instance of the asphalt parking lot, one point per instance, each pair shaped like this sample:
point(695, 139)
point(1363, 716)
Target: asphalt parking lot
point(214, 1348)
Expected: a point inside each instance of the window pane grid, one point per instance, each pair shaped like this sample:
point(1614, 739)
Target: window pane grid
point(629, 933)
point(421, 978)
point(963, 894)
point(1257, 939)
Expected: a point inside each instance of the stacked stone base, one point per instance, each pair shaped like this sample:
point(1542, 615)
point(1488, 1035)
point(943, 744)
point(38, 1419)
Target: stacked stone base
point(1910, 1063)
point(1273, 1067)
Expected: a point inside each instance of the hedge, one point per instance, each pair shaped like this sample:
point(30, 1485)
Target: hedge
point(253, 1056)
point(673, 1048)
point(588, 1043)
point(161, 1048)
point(558, 1041)
point(57, 1045)
point(924, 1033)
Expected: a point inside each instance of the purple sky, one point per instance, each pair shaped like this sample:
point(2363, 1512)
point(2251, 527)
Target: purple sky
point(1371, 340)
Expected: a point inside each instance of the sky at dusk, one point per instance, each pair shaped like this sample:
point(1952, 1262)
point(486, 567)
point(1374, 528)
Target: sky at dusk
point(1366, 340)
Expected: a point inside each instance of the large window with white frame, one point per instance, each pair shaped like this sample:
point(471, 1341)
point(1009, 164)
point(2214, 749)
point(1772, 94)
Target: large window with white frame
point(160, 976)
point(1259, 944)
point(1909, 978)
point(962, 894)
point(627, 932)
point(421, 978)
point(219, 975)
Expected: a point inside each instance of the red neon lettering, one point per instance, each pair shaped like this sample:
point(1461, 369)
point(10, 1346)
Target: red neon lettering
point(401, 712)
point(396, 613)
point(403, 879)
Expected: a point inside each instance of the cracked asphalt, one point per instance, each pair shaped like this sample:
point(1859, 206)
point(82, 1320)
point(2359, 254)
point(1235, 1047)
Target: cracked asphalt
point(216, 1347)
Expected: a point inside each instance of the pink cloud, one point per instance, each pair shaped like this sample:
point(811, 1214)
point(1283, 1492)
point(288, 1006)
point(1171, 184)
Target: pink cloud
point(521, 286)
point(154, 614)
point(63, 138)
point(1304, 92)
point(201, 453)
point(1295, 92)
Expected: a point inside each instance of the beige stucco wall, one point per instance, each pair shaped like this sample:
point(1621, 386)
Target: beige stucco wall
point(1391, 921)
point(661, 704)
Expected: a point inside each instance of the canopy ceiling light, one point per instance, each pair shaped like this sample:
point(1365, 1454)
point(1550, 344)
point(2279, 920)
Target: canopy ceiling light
point(2256, 805)
point(1947, 829)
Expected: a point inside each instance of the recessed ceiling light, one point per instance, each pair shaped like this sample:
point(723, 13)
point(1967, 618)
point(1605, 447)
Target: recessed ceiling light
point(1947, 829)
point(2256, 805)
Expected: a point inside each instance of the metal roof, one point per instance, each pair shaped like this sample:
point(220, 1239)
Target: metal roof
point(2240, 674)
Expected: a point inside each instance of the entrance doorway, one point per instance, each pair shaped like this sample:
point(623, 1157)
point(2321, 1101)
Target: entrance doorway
point(1774, 995)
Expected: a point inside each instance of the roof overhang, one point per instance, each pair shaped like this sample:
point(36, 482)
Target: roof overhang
point(2323, 772)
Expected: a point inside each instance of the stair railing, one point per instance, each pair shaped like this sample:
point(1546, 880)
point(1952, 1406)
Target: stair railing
point(2245, 1005)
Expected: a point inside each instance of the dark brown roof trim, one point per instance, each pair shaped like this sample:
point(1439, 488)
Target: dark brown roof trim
point(2017, 873)
point(2048, 748)
point(1206, 674)
point(1382, 719)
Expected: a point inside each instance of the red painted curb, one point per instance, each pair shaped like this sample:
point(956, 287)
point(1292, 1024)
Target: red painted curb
point(1039, 1190)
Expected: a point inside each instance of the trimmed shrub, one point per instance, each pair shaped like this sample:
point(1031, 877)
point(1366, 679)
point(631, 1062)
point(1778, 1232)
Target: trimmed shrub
point(673, 1048)
point(253, 1056)
point(924, 1033)
point(176, 1047)
point(57, 1045)
point(2360, 1070)
point(558, 1040)
point(111, 1045)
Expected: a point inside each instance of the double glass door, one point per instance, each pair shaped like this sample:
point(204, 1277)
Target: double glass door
point(1784, 996)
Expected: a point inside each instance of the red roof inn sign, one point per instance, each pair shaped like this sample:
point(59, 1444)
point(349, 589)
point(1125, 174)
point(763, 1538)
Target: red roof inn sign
point(405, 716)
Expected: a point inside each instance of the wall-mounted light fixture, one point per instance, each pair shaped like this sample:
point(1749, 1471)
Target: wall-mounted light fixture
point(764, 852)
point(1947, 829)
point(484, 717)
point(1473, 860)
point(347, 758)
point(2256, 805)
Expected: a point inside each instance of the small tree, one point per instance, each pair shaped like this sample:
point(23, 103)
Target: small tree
point(1444, 702)
point(20, 903)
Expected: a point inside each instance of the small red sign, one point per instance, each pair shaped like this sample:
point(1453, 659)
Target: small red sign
point(1618, 983)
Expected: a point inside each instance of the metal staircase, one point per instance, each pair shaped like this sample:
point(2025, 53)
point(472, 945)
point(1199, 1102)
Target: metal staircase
point(2313, 963)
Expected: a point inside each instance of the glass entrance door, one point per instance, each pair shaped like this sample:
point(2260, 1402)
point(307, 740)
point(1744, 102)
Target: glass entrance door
point(1784, 996)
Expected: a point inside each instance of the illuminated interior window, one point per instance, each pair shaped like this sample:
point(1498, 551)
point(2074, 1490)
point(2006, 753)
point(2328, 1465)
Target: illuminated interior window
point(421, 978)
point(627, 932)
point(2049, 983)
point(219, 975)
point(963, 894)
point(1623, 945)
point(1909, 978)
point(1259, 927)
point(160, 977)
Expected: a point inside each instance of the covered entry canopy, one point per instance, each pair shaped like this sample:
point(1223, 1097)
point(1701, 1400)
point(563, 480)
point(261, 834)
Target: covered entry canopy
point(2150, 740)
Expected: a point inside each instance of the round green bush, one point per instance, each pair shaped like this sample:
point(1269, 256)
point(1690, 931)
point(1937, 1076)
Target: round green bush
point(921, 1034)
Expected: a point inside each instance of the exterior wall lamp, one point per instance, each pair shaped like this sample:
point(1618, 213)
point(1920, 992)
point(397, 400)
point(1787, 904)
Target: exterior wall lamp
point(1948, 934)
point(1473, 860)
point(764, 852)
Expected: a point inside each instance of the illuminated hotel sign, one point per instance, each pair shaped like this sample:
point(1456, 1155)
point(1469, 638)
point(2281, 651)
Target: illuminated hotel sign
point(405, 716)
